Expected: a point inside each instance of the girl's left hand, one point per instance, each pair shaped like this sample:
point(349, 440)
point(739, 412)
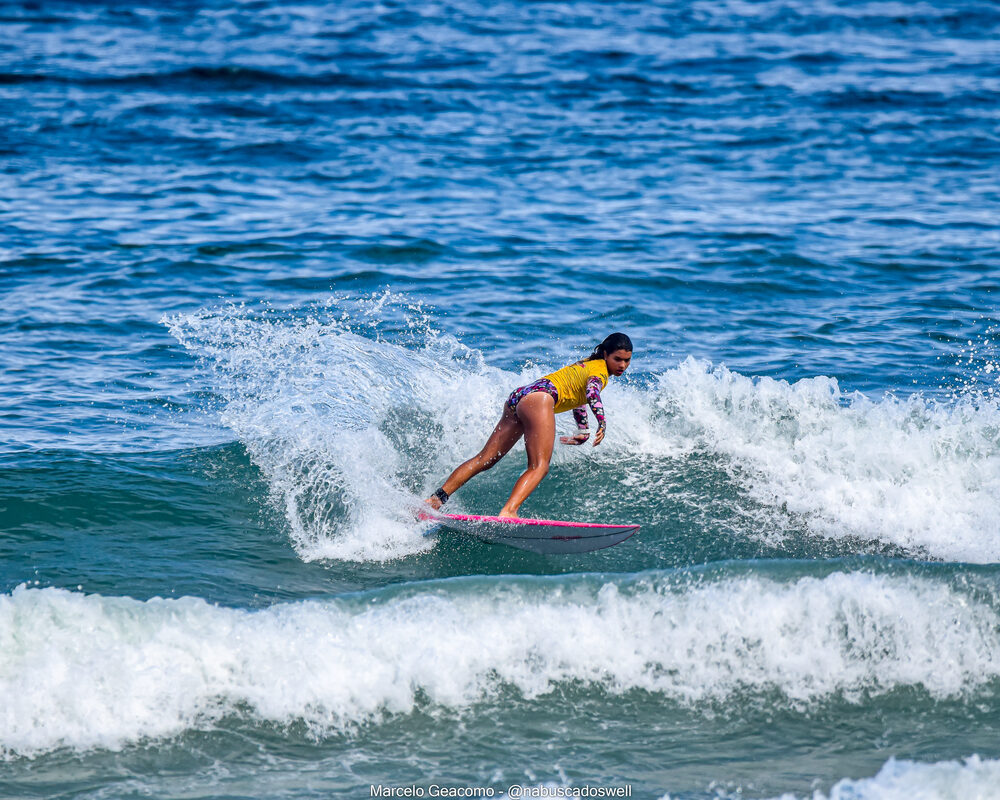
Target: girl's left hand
point(599, 436)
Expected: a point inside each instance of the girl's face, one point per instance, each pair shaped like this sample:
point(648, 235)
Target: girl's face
point(618, 361)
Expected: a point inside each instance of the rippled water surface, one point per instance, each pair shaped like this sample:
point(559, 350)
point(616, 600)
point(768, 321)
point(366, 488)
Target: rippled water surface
point(268, 273)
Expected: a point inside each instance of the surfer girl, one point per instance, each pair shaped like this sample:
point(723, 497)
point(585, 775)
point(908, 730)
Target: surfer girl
point(531, 410)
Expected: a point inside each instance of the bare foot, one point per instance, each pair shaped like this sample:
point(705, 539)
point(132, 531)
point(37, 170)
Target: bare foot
point(505, 514)
point(434, 502)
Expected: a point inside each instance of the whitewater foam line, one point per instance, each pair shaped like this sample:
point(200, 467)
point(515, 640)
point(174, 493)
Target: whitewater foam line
point(914, 473)
point(90, 671)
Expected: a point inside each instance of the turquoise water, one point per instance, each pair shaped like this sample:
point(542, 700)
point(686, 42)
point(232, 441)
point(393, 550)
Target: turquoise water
point(268, 273)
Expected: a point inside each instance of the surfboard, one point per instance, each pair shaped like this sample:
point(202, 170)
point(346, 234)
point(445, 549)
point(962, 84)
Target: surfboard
point(545, 536)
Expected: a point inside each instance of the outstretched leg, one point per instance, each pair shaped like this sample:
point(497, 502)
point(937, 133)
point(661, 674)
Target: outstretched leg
point(537, 415)
point(505, 435)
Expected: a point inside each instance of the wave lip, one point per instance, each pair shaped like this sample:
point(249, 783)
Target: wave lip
point(911, 472)
point(87, 671)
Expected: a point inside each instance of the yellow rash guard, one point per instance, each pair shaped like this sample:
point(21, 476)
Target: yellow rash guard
point(571, 382)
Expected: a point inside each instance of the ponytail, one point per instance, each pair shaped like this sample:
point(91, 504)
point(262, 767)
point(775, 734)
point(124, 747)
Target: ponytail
point(616, 341)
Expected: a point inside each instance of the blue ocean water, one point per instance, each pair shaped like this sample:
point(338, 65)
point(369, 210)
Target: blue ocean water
point(267, 274)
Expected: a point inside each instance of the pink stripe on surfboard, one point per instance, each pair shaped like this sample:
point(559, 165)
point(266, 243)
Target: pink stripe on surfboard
point(520, 521)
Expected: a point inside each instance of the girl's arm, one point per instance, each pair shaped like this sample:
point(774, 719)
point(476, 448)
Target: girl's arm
point(594, 401)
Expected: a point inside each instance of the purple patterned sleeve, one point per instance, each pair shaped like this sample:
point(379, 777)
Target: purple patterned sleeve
point(580, 415)
point(594, 400)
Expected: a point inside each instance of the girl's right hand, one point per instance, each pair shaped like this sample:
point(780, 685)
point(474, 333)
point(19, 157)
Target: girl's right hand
point(576, 438)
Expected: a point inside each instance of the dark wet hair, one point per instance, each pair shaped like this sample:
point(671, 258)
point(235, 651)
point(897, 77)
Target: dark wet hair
point(616, 341)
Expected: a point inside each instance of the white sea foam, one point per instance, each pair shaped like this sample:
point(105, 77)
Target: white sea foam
point(90, 671)
point(350, 430)
point(910, 472)
point(329, 417)
point(971, 779)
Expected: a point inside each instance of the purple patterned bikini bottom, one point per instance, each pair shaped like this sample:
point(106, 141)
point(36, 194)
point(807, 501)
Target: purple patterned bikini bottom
point(541, 385)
